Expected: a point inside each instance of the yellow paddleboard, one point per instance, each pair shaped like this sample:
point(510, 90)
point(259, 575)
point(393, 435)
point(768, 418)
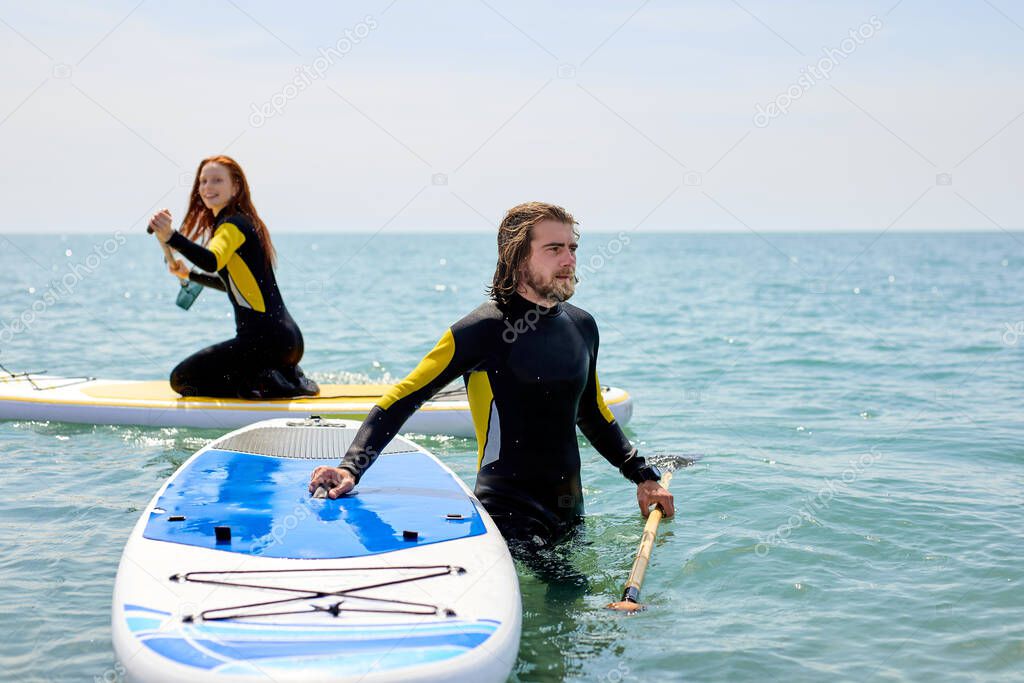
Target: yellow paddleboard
point(153, 403)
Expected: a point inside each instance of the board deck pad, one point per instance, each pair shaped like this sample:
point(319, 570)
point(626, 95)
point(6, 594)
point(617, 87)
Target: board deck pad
point(291, 442)
point(266, 504)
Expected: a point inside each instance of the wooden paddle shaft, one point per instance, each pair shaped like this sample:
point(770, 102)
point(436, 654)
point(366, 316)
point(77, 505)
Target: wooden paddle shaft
point(168, 254)
point(643, 554)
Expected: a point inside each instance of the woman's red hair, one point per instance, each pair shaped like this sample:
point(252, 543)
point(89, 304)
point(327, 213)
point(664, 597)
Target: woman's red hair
point(199, 220)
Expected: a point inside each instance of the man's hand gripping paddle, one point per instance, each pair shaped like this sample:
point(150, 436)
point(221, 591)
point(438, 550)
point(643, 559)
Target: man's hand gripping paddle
point(630, 601)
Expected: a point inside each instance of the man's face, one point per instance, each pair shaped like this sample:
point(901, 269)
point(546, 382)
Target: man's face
point(550, 272)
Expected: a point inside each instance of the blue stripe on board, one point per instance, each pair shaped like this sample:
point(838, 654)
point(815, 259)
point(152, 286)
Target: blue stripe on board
point(272, 649)
point(179, 650)
point(341, 664)
point(203, 647)
point(137, 624)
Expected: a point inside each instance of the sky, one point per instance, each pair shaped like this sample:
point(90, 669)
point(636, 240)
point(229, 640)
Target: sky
point(710, 116)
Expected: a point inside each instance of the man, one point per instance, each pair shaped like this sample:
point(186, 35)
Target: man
point(530, 365)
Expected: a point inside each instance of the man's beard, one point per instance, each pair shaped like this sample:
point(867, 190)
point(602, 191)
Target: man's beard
point(554, 289)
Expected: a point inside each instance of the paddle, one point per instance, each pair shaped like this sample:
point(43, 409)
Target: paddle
point(630, 601)
point(189, 290)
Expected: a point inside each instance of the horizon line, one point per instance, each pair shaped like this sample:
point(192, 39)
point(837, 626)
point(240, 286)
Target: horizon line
point(797, 231)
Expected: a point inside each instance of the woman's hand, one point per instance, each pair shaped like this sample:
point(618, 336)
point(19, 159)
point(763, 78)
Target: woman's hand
point(180, 269)
point(160, 225)
point(336, 480)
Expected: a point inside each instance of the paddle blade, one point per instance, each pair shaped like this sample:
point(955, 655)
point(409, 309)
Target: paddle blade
point(670, 462)
point(187, 294)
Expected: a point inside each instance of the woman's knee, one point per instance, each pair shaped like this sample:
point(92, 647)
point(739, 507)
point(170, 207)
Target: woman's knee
point(181, 381)
point(188, 377)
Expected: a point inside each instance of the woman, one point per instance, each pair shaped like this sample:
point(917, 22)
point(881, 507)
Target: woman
point(262, 360)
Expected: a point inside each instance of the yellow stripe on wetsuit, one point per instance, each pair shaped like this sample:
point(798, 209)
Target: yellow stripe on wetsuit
point(601, 405)
point(432, 365)
point(224, 245)
point(481, 399)
point(226, 241)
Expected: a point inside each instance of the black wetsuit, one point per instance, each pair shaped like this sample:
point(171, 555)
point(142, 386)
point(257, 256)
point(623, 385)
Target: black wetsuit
point(531, 375)
point(262, 360)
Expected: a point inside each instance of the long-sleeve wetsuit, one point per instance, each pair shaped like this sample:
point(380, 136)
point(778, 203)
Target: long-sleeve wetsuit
point(207, 280)
point(531, 376)
point(262, 360)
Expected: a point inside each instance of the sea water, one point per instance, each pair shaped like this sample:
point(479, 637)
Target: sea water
point(856, 511)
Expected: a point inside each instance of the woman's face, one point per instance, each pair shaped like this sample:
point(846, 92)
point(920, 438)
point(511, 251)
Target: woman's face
point(216, 186)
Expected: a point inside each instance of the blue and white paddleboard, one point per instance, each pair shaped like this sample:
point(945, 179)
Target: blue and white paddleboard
point(235, 573)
